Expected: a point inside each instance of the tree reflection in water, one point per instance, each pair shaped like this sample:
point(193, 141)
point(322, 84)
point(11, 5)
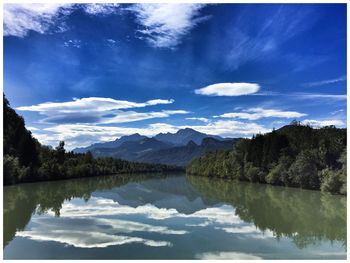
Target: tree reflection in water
point(304, 216)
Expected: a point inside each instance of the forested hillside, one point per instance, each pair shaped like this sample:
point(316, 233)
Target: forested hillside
point(26, 160)
point(295, 155)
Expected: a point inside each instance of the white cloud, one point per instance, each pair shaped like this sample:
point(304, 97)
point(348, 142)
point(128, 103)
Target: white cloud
point(98, 111)
point(164, 25)
point(230, 128)
point(131, 116)
point(98, 9)
point(229, 89)
point(322, 123)
point(89, 104)
point(72, 43)
point(258, 113)
point(324, 82)
point(198, 119)
point(19, 19)
point(32, 128)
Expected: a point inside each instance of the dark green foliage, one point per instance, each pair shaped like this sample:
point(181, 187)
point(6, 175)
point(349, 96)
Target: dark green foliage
point(334, 181)
point(18, 141)
point(294, 155)
point(25, 160)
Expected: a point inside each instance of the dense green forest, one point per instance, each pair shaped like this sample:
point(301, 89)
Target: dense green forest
point(26, 160)
point(294, 155)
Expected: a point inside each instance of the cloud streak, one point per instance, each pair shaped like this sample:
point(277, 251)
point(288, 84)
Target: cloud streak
point(198, 119)
point(89, 104)
point(229, 89)
point(325, 82)
point(259, 113)
point(98, 110)
point(319, 96)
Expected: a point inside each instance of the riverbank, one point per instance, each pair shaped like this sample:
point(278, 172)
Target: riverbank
point(294, 155)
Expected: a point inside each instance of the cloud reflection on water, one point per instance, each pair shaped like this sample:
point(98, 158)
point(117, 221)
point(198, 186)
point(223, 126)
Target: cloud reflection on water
point(102, 222)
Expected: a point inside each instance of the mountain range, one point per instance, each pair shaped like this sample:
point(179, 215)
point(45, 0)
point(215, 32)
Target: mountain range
point(165, 148)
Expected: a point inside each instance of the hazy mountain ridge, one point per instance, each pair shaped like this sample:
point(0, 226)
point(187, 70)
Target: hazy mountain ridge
point(184, 136)
point(111, 144)
point(167, 148)
point(131, 150)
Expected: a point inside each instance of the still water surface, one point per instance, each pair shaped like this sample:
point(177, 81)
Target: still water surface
point(170, 217)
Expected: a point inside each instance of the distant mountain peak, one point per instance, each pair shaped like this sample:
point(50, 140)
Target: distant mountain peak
point(111, 144)
point(186, 131)
point(134, 135)
point(184, 136)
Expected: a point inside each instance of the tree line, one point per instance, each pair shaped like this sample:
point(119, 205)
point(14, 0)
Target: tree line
point(26, 160)
point(295, 155)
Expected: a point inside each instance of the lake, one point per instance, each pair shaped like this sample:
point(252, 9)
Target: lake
point(170, 217)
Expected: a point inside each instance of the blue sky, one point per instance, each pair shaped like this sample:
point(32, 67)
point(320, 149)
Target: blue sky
point(95, 72)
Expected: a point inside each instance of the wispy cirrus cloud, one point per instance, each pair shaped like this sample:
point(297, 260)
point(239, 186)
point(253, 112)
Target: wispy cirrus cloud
point(164, 25)
point(259, 113)
point(305, 95)
point(341, 111)
point(229, 89)
point(43, 18)
point(261, 38)
point(320, 96)
point(324, 82)
point(19, 19)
